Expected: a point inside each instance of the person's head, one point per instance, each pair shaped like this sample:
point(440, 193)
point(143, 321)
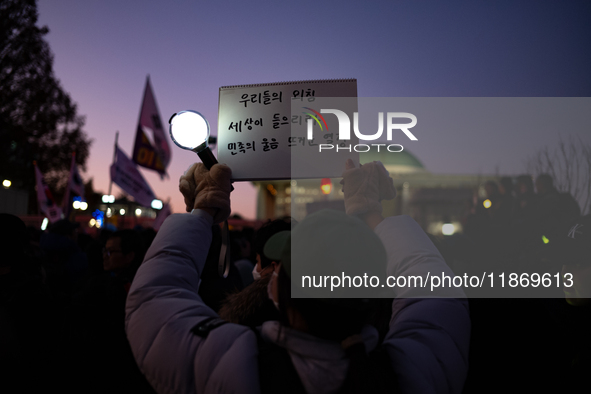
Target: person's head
point(324, 242)
point(544, 183)
point(491, 188)
point(575, 252)
point(65, 228)
point(506, 186)
point(264, 265)
point(524, 185)
point(124, 252)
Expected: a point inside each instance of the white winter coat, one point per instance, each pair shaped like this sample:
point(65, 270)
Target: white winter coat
point(427, 341)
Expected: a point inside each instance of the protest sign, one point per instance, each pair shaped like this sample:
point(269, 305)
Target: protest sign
point(255, 127)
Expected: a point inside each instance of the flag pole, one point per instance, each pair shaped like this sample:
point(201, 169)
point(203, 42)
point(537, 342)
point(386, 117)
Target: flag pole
point(114, 158)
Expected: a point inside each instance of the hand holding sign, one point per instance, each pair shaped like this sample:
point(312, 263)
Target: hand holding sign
point(208, 190)
point(365, 187)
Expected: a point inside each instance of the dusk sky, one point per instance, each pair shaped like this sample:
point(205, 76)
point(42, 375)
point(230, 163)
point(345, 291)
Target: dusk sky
point(105, 49)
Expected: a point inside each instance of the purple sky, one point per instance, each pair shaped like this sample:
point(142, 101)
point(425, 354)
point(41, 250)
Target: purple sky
point(104, 50)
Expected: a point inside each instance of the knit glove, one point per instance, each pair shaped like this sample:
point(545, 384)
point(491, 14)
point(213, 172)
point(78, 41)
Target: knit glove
point(207, 189)
point(365, 187)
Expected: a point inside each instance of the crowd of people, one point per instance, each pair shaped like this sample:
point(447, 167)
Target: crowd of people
point(137, 311)
point(525, 226)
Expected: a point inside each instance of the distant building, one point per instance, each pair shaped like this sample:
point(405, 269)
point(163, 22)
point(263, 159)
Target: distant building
point(431, 199)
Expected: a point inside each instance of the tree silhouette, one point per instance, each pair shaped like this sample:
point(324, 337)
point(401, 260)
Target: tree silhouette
point(38, 120)
point(569, 164)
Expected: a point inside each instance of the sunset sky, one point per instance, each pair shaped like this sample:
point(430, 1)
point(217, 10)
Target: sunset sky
point(105, 49)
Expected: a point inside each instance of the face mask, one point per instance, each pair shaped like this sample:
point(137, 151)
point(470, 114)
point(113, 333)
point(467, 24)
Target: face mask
point(269, 289)
point(256, 274)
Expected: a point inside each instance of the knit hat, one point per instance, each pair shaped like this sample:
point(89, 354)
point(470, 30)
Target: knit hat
point(325, 244)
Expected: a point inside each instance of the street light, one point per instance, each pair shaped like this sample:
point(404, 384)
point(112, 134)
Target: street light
point(157, 204)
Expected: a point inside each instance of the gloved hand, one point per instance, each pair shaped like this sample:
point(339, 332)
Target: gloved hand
point(207, 189)
point(365, 187)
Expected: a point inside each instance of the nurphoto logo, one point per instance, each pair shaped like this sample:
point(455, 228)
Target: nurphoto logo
point(344, 131)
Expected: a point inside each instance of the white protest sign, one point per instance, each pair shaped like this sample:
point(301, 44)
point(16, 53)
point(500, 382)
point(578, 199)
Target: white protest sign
point(255, 127)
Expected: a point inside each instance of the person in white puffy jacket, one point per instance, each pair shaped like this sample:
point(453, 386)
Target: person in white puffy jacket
point(182, 347)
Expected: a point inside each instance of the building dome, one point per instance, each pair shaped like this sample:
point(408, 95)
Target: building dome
point(395, 162)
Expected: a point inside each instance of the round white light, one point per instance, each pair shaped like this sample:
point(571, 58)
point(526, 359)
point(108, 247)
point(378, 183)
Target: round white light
point(76, 204)
point(6, 183)
point(189, 129)
point(138, 212)
point(157, 204)
point(84, 205)
point(448, 229)
point(122, 211)
point(92, 223)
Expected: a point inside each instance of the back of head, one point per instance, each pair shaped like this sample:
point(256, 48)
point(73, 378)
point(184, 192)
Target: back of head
point(544, 183)
point(524, 185)
point(64, 228)
point(329, 243)
point(491, 188)
point(506, 185)
point(132, 241)
point(263, 234)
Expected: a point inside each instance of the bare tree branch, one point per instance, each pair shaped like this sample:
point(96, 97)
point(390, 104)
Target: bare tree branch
point(569, 165)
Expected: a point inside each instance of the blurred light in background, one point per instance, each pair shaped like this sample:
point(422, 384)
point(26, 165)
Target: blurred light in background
point(448, 229)
point(108, 198)
point(326, 185)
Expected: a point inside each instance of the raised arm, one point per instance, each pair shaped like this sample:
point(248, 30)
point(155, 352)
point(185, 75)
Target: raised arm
point(163, 305)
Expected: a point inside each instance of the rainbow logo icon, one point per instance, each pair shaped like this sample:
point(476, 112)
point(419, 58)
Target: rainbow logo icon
point(316, 117)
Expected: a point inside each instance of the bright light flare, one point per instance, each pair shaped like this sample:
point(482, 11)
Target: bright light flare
point(189, 129)
point(487, 203)
point(157, 204)
point(448, 229)
point(326, 185)
point(6, 183)
point(44, 224)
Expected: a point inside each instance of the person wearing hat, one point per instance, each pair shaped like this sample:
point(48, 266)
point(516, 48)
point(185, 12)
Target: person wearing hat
point(320, 344)
point(251, 306)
